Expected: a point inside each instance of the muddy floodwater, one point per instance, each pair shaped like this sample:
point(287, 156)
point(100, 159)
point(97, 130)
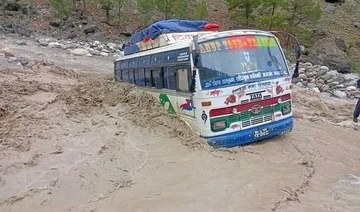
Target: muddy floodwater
point(72, 139)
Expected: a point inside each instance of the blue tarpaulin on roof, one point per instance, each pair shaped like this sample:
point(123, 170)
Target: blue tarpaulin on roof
point(161, 27)
point(168, 26)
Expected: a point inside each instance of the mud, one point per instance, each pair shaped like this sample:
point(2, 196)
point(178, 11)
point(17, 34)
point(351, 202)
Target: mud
point(74, 140)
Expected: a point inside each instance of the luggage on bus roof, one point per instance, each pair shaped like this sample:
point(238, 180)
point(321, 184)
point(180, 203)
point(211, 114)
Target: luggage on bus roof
point(168, 26)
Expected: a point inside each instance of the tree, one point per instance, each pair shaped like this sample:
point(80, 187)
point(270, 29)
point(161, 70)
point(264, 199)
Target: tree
point(179, 9)
point(146, 9)
point(120, 4)
point(243, 9)
point(302, 12)
point(273, 14)
point(201, 11)
point(165, 7)
point(63, 7)
point(107, 5)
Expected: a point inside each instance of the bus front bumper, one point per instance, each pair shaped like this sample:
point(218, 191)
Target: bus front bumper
point(247, 136)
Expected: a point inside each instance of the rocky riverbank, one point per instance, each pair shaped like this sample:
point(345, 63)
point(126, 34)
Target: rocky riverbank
point(322, 79)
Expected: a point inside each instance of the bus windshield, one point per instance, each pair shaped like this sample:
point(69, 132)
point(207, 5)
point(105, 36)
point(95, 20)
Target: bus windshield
point(240, 59)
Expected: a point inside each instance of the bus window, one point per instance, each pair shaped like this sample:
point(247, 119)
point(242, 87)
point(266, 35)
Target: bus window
point(183, 77)
point(136, 77)
point(140, 77)
point(170, 78)
point(125, 75)
point(157, 78)
point(148, 80)
point(118, 74)
point(131, 76)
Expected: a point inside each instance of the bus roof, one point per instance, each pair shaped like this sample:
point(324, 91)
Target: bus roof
point(202, 38)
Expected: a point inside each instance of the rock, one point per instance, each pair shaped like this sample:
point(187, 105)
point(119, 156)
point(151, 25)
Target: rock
point(340, 43)
point(55, 45)
point(340, 94)
point(333, 73)
point(105, 50)
point(111, 46)
point(95, 44)
point(329, 8)
point(351, 88)
point(68, 46)
point(11, 5)
point(350, 77)
point(357, 24)
point(355, 93)
point(24, 61)
point(325, 68)
point(340, 86)
point(90, 29)
point(104, 54)
point(44, 41)
point(7, 52)
point(326, 53)
point(94, 52)
point(325, 88)
point(20, 42)
point(302, 76)
point(55, 23)
point(79, 52)
point(311, 85)
point(332, 84)
point(21, 29)
point(13, 60)
point(326, 77)
point(316, 90)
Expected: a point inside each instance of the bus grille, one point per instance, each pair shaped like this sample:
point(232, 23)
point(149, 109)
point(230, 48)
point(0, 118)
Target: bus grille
point(257, 120)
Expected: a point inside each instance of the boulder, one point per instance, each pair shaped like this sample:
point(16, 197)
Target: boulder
point(55, 45)
point(340, 94)
point(340, 43)
point(351, 88)
point(104, 54)
point(44, 41)
point(7, 52)
point(326, 53)
point(55, 23)
point(79, 52)
point(20, 42)
point(11, 5)
point(90, 29)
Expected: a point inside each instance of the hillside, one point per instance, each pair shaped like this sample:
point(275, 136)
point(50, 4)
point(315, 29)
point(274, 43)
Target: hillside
point(340, 22)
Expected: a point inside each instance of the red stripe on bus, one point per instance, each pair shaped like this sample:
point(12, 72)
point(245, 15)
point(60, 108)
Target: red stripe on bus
point(248, 106)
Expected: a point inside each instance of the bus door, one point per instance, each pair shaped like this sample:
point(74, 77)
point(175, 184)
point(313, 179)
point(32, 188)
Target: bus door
point(184, 96)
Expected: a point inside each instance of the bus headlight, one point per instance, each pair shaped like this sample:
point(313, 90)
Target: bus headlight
point(219, 125)
point(286, 109)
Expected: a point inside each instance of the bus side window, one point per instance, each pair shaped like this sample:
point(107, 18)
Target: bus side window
point(140, 79)
point(136, 77)
point(157, 78)
point(170, 78)
point(118, 74)
point(183, 77)
point(131, 76)
point(125, 75)
point(148, 79)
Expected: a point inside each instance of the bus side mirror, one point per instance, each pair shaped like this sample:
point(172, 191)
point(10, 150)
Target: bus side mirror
point(193, 81)
point(298, 51)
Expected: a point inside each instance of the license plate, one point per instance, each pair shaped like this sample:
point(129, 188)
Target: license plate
point(261, 133)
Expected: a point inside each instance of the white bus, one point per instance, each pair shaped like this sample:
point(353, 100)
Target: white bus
point(230, 87)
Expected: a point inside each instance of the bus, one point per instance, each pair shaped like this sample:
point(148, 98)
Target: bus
point(230, 87)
